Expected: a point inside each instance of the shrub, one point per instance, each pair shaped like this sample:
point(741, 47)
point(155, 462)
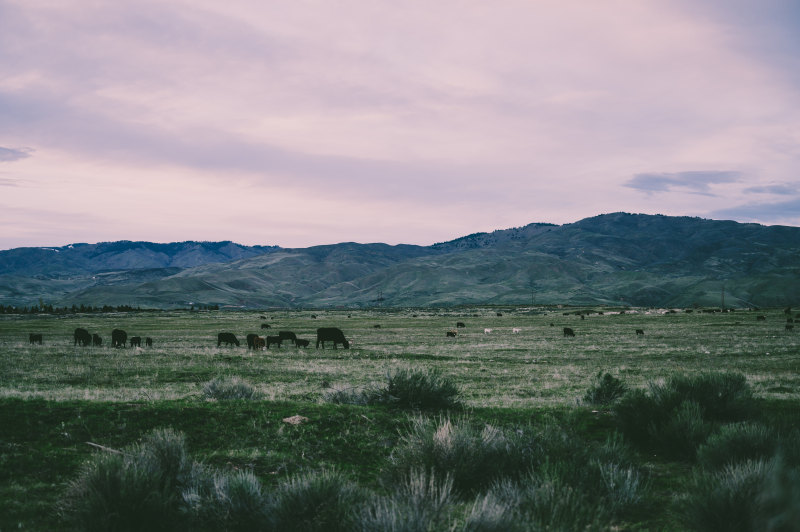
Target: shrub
point(605, 390)
point(321, 501)
point(622, 487)
point(546, 504)
point(349, 396)
point(637, 413)
point(226, 388)
point(675, 416)
point(137, 489)
point(682, 432)
point(420, 503)
point(780, 498)
point(737, 443)
point(226, 501)
point(722, 396)
point(489, 513)
point(727, 499)
point(472, 455)
point(424, 389)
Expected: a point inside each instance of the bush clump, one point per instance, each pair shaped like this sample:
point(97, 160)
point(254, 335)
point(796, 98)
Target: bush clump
point(729, 499)
point(676, 416)
point(321, 501)
point(605, 390)
point(738, 442)
point(405, 388)
point(473, 456)
point(134, 489)
point(424, 389)
point(229, 388)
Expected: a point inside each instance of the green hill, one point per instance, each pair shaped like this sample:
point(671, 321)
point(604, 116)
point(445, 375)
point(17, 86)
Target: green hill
point(619, 258)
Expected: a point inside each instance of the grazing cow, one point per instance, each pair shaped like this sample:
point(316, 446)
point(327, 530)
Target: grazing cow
point(331, 334)
point(119, 338)
point(136, 341)
point(761, 318)
point(265, 326)
point(251, 340)
point(263, 317)
point(451, 334)
point(568, 331)
point(376, 326)
point(288, 335)
point(35, 338)
point(499, 313)
point(789, 327)
point(313, 316)
point(487, 331)
point(259, 343)
point(227, 338)
point(148, 342)
point(515, 330)
point(82, 337)
point(639, 332)
point(301, 343)
point(96, 340)
point(273, 340)
point(460, 324)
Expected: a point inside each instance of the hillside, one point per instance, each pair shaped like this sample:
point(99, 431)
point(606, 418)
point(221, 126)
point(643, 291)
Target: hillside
point(618, 258)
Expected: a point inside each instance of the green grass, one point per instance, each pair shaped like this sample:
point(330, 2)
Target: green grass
point(56, 397)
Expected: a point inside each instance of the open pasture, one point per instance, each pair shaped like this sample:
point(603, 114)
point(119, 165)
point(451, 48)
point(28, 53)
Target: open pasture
point(537, 366)
point(57, 397)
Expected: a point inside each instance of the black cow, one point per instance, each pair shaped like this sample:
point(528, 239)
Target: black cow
point(96, 340)
point(761, 318)
point(301, 343)
point(288, 335)
point(148, 342)
point(639, 332)
point(82, 337)
point(460, 324)
point(376, 326)
point(568, 331)
point(331, 334)
point(119, 338)
point(136, 341)
point(251, 340)
point(35, 338)
point(227, 338)
point(273, 340)
point(451, 334)
point(265, 326)
point(789, 327)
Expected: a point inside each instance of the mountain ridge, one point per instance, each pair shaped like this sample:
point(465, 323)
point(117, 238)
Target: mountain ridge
point(615, 258)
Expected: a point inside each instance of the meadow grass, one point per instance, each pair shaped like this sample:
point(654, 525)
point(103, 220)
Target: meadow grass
point(55, 397)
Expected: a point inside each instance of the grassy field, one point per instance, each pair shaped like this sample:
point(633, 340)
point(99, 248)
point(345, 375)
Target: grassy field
point(56, 397)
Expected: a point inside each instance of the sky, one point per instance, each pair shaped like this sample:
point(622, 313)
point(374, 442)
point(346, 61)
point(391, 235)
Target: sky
point(306, 122)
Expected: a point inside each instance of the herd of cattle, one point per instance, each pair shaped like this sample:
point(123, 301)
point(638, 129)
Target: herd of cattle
point(119, 338)
point(254, 341)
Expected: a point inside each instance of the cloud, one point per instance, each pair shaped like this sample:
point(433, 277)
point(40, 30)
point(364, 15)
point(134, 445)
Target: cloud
point(9, 154)
point(782, 212)
point(695, 182)
point(785, 189)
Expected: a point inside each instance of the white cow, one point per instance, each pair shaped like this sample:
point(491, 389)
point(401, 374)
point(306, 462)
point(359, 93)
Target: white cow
point(487, 331)
point(515, 330)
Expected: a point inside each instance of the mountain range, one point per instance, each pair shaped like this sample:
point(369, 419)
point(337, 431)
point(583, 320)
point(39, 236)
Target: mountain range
point(610, 259)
